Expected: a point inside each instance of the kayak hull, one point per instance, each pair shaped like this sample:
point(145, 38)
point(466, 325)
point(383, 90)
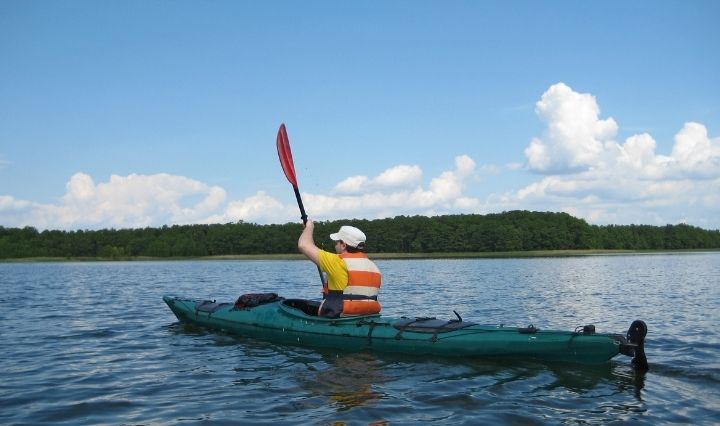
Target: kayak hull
point(286, 322)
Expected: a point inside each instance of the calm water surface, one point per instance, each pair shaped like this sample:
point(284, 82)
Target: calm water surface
point(93, 343)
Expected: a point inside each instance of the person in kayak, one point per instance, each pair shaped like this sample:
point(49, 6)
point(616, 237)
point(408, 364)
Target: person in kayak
point(353, 281)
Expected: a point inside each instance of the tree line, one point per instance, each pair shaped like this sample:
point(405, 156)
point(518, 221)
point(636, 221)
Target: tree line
point(502, 232)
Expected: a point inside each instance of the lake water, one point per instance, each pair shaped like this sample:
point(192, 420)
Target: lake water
point(93, 343)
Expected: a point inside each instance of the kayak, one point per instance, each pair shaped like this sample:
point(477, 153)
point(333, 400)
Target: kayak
point(294, 321)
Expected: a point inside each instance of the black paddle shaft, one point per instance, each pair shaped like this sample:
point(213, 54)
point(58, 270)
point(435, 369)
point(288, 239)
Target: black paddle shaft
point(303, 215)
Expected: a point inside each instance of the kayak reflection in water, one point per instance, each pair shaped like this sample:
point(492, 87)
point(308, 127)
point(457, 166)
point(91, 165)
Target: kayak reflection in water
point(353, 281)
point(349, 381)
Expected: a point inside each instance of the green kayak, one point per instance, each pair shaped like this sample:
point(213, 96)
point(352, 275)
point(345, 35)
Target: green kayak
point(294, 321)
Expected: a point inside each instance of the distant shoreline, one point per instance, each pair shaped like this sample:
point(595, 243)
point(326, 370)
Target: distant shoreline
point(382, 256)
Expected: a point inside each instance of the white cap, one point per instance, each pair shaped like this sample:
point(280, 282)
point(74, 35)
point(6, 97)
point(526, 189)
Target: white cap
point(350, 235)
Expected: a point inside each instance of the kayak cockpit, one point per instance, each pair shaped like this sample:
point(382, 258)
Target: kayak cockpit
point(309, 308)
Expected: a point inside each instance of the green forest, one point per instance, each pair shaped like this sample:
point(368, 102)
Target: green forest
point(514, 231)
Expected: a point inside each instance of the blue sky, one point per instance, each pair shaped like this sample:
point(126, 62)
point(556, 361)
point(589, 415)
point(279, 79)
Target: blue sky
point(145, 113)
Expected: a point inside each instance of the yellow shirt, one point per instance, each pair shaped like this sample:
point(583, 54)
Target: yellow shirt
point(335, 268)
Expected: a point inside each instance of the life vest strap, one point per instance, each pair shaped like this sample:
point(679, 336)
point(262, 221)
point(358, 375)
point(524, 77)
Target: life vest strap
point(358, 297)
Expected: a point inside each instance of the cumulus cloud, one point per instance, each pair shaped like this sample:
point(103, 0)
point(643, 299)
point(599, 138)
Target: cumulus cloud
point(351, 185)
point(401, 176)
point(576, 165)
point(575, 136)
point(14, 212)
point(590, 175)
point(153, 200)
point(122, 202)
point(397, 191)
point(259, 208)
point(695, 153)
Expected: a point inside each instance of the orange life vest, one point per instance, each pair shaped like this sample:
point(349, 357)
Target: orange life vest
point(364, 279)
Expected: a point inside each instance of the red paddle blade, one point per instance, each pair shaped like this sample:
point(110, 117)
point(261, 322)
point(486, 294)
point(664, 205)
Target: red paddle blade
point(285, 155)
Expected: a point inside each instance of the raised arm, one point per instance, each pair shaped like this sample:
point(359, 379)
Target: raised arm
point(306, 244)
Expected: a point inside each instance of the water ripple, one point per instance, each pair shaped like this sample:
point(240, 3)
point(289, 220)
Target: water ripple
point(92, 343)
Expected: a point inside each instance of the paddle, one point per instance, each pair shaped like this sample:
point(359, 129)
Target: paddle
point(286, 161)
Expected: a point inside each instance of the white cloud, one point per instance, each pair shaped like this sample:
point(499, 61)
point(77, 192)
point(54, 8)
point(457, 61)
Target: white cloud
point(396, 191)
point(576, 166)
point(14, 212)
point(695, 153)
point(590, 175)
point(575, 135)
point(399, 176)
point(259, 208)
point(449, 185)
point(122, 202)
point(154, 200)
point(351, 185)
point(402, 176)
